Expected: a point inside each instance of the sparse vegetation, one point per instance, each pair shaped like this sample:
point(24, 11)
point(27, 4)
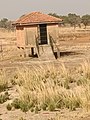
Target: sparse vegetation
point(4, 98)
point(52, 89)
point(22, 118)
point(16, 103)
point(74, 19)
point(48, 87)
point(3, 81)
point(7, 24)
point(86, 20)
point(9, 107)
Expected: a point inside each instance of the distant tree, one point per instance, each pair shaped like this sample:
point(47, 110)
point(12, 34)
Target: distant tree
point(79, 21)
point(65, 19)
point(5, 23)
point(54, 15)
point(10, 26)
point(57, 16)
point(86, 20)
point(74, 20)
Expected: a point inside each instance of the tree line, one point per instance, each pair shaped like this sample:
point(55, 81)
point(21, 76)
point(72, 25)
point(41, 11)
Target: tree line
point(73, 19)
point(7, 24)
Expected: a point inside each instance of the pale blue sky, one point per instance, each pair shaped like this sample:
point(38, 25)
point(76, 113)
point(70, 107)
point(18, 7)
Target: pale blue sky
point(12, 9)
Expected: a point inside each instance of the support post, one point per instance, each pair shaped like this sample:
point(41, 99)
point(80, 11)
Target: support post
point(32, 51)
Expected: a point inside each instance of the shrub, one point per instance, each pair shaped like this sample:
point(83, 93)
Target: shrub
point(24, 106)
point(9, 107)
point(60, 103)
point(31, 105)
point(51, 106)
point(22, 118)
point(4, 98)
point(44, 106)
point(36, 109)
point(32, 109)
point(52, 88)
point(13, 82)
point(16, 103)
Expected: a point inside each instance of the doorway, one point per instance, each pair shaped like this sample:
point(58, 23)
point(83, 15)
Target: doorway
point(43, 34)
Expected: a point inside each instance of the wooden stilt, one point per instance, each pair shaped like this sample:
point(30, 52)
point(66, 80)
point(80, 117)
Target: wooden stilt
point(32, 51)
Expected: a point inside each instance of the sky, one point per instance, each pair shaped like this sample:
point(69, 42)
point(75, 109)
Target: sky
point(13, 9)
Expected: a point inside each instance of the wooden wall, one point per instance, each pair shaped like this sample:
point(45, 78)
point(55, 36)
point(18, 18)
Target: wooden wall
point(30, 35)
point(20, 36)
point(26, 36)
point(53, 30)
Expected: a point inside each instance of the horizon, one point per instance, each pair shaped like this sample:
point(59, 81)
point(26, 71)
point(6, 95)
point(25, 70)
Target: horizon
point(14, 9)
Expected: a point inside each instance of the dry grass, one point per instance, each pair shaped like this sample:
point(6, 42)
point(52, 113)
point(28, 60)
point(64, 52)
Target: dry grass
point(49, 87)
point(54, 88)
point(6, 33)
point(3, 81)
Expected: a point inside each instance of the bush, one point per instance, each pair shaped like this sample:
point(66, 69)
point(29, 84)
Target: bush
point(24, 106)
point(16, 103)
point(36, 109)
point(52, 88)
point(9, 107)
point(4, 98)
point(3, 86)
point(51, 106)
point(44, 106)
point(32, 109)
point(22, 118)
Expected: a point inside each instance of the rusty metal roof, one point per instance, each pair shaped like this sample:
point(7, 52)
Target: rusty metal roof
point(36, 18)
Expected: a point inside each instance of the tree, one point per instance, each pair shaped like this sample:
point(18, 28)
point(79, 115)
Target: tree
point(10, 26)
point(5, 23)
point(86, 20)
point(54, 15)
point(65, 20)
point(74, 20)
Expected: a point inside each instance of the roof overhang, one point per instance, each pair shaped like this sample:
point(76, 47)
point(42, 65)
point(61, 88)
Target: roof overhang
point(37, 23)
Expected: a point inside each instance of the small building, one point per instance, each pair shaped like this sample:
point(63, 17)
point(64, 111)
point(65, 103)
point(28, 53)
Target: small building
point(36, 32)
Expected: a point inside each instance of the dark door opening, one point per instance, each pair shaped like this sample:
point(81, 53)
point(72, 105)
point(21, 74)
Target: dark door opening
point(43, 34)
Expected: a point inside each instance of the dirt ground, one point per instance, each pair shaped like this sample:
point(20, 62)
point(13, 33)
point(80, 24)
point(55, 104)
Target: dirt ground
point(74, 49)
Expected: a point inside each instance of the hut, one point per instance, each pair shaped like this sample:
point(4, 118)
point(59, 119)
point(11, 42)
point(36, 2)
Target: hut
point(36, 34)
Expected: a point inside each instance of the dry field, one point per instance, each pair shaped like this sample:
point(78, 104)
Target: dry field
point(46, 90)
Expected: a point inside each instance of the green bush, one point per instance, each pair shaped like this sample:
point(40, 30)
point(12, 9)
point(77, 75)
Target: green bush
point(24, 106)
point(51, 106)
point(16, 103)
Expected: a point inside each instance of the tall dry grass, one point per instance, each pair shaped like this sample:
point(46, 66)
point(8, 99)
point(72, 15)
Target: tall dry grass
point(3, 80)
point(50, 87)
point(7, 33)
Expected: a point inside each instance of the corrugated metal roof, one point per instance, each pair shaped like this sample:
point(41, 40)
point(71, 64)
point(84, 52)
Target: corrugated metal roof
point(37, 17)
